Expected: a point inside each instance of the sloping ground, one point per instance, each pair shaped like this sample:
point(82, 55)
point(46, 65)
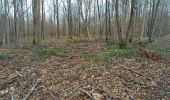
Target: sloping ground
point(75, 77)
point(162, 44)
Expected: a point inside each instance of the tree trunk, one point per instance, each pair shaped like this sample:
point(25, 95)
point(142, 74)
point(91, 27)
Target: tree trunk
point(58, 22)
point(36, 22)
point(69, 19)
point(43, 19)
point(131, 21)
point(119, 29)
point(144, 19)
point(153, 19)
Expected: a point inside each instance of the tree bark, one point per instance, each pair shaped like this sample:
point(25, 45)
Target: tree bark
point(131, 21)
point(36, 22)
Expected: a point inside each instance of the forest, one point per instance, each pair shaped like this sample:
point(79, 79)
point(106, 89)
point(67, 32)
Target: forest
point(84, 49)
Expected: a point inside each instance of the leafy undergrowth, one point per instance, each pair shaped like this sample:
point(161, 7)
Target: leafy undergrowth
point(46, 52)
point(83, 75)
point(108, 52)
point(161, 52)
point(113, 50)
point(100, 58)
point(161, 46)
point(49, 51)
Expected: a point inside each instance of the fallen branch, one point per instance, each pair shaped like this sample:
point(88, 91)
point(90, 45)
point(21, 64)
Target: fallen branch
point(9, 82)
point(19, 74)
point(87, 93)
point(106, 94)
point(51, 94)
point(136, 73)
point(31, 91)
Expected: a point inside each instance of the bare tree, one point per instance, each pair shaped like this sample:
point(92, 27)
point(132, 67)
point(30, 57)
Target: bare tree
point(123, 42)
point(15, 20)
point(153, 19)
point(69, 18)
point(87, 18)
point(5, 23)
point(36, 21)
point(131, 21)
point(58, 22)
point(144, 18)
point(42, 19)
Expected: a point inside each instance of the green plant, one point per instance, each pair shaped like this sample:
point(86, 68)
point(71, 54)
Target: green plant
point(49, 51)
point(121, 53)
point(161, 46)
point(161, 52)
point(113, 50)
point(100, 58)
point(108, 47)
point(3, 56)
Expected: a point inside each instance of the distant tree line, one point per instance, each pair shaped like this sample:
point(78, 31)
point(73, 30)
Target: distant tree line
point(121, 21)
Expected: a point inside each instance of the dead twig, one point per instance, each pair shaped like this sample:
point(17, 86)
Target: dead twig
point(11, 80)
point(51, 94)
point(87, 93)
point(31, 91)
point(19, 74)
point(106, 94)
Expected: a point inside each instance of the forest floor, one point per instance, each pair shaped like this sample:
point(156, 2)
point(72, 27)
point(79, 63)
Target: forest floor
point(66, 70)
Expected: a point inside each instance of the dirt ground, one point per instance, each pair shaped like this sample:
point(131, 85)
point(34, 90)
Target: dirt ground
point(73, 76)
